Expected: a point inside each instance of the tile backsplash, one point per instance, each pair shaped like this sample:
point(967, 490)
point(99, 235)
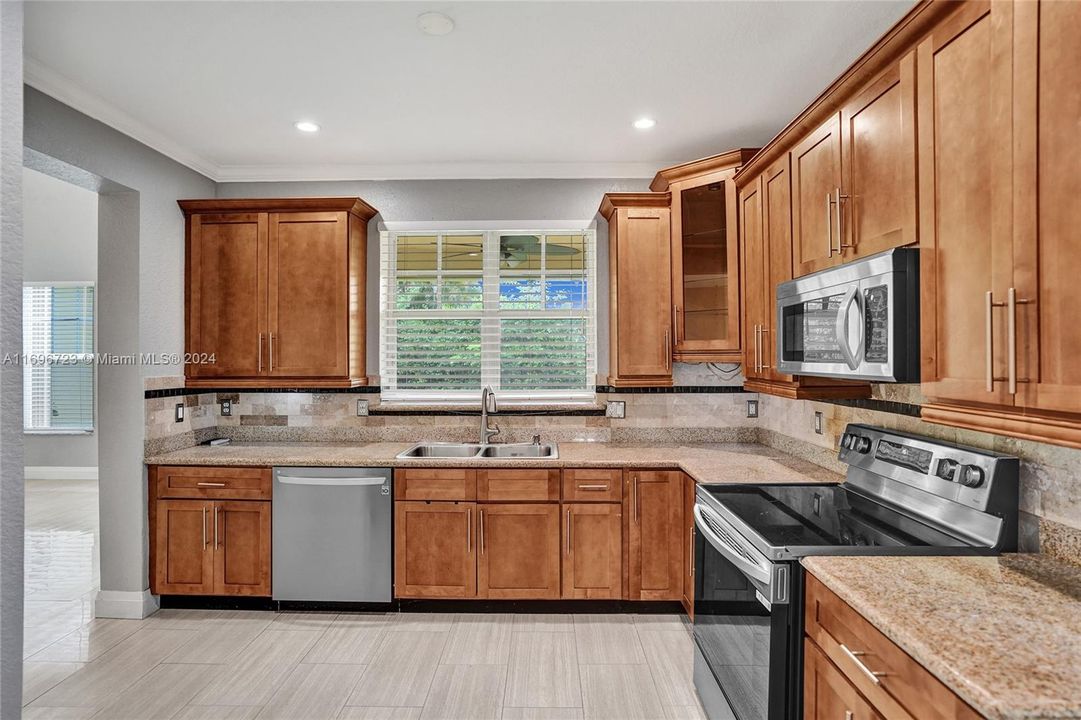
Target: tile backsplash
point(1050, 475)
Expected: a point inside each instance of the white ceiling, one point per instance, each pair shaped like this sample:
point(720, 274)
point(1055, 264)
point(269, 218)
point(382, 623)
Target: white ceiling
point(519, 89)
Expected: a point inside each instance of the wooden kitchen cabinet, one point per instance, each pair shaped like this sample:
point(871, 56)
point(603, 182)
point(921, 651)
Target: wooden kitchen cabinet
point(827, 695)
point(640, 288)
point(518, 551)
point(275, 292)
point(592, 551)
point(705, 256)
point(435, 549)
point(816, 183)
point(653, 528)
point(755, 265)
point(209, 544)
point(689, 489)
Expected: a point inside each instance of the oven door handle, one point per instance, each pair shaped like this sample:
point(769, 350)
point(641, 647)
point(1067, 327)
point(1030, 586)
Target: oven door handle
point(755, 571)
point(852, 297)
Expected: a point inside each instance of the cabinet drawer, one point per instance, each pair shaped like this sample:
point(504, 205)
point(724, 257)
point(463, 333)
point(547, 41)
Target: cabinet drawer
point(227, 483)
point(527, 484)
point(598, 485)
point(900, 686)
point(435, 484)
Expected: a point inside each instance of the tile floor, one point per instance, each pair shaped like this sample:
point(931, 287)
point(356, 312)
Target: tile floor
point(241, 665)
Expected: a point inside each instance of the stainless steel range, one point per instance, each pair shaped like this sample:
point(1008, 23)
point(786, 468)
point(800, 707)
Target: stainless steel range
point(903, 495)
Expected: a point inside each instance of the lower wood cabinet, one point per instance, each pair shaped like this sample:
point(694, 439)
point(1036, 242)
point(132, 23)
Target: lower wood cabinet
point(435, 549)
point(204, 541)
point(519, 551)
point(827, 695)
point(653, 528)
point(592, 551)
point(689, 489)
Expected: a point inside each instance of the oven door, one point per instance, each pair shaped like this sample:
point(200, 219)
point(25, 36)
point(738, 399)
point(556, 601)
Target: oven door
point(745, 627)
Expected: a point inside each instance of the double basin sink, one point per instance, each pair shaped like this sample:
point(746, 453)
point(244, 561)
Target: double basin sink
point(478, 451)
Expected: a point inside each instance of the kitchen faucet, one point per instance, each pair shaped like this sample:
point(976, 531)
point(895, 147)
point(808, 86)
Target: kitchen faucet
point(487, 404)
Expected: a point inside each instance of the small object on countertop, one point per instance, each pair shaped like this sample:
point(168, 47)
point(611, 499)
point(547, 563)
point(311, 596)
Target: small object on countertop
point(217, 441)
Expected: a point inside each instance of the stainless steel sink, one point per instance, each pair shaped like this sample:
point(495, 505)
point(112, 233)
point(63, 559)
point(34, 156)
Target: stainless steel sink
point(494, 451)
point(442, 450)
point(520, 450)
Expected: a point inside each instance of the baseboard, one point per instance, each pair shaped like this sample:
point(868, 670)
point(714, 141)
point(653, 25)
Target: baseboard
point(128, 605)
point(54, 472)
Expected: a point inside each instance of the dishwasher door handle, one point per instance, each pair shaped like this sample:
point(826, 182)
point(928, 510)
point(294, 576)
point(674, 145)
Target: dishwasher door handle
point(332, 481)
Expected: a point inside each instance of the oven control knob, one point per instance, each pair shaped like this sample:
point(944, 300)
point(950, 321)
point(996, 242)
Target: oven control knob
point(861, 444)
point(946, 469)
point(969, 475)
point(846, 441)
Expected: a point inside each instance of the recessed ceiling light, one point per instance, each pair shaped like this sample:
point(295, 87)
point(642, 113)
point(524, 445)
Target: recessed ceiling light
point(434, 23)
point(644, 123)
point(306, 126)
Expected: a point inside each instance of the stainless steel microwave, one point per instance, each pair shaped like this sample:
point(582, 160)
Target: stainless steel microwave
point(857, 321)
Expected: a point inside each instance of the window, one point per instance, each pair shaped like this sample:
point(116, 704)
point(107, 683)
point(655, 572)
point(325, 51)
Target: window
point(510, 309)
point(58, 344)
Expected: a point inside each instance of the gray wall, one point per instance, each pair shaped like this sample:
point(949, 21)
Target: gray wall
point(11, 394)
point(464, 201)
point(60, 244)
point(140, 301)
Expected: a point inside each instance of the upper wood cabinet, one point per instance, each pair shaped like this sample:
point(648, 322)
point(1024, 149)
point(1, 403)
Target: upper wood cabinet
point(705, 256)
point(653, 518)
point(755, 281)
point(640, 288)
point(1000, 171)
point(816, 187)
point(275, 292)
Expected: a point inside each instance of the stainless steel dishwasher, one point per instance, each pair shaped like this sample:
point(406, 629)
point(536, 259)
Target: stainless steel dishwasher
point(332, 535)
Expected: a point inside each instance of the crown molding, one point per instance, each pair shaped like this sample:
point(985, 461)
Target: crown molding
point(67, 91)
point(64, 89)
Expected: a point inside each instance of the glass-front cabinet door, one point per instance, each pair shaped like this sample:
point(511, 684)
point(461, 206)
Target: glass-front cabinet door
point(705, 271)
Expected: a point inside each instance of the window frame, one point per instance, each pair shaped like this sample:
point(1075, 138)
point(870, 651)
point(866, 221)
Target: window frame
point(490, 314)
point(91, 356)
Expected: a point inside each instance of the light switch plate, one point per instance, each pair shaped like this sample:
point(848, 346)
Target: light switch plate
point(178, 413)
point(615, 409)
point(226, 408)
point(752, 408)
point(362, 408)
point(818, 423)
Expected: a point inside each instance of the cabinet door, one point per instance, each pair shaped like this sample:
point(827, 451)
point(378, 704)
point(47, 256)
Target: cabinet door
point(777, 241)
point(1047, 215)
point(878, 159)
point(226, 294)
point(593, 551)
point(519, 551)
point(705, 266)
point(241, 547)
point(183, 556)
point(754, 277)
point(435, 550)
point(643, 293)
point(964, 199)
point(689, 488)
point(655, 535)
point(816, 181)
point(827, 695)
point(309, 295)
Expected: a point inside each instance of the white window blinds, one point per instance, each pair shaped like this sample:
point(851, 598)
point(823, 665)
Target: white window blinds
point(511, 309)
point(58, 350)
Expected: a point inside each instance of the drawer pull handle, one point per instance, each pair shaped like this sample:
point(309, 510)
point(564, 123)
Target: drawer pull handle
point(210, 484)
point(593, 487)
point(854, 657)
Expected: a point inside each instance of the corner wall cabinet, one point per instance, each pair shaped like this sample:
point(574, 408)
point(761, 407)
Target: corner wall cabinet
point(209, 531)
point(275, 292)
point(705, 256)
point(640, 288)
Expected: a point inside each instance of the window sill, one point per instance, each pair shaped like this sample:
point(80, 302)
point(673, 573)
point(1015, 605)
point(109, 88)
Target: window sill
point(569, 408)
point(57, 432)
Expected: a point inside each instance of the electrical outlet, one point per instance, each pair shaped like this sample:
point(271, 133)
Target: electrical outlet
point(752, 408)
point(615, 409)
point(362, 408)
point(818, 423)
point(226, 408)
point(178, 413)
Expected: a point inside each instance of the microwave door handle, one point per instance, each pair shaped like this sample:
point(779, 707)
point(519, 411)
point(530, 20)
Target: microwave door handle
point(752, 570)
point(841, 328)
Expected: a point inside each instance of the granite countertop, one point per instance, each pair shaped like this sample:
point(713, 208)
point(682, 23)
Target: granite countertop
point(1004, 633)
point(712, 463)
